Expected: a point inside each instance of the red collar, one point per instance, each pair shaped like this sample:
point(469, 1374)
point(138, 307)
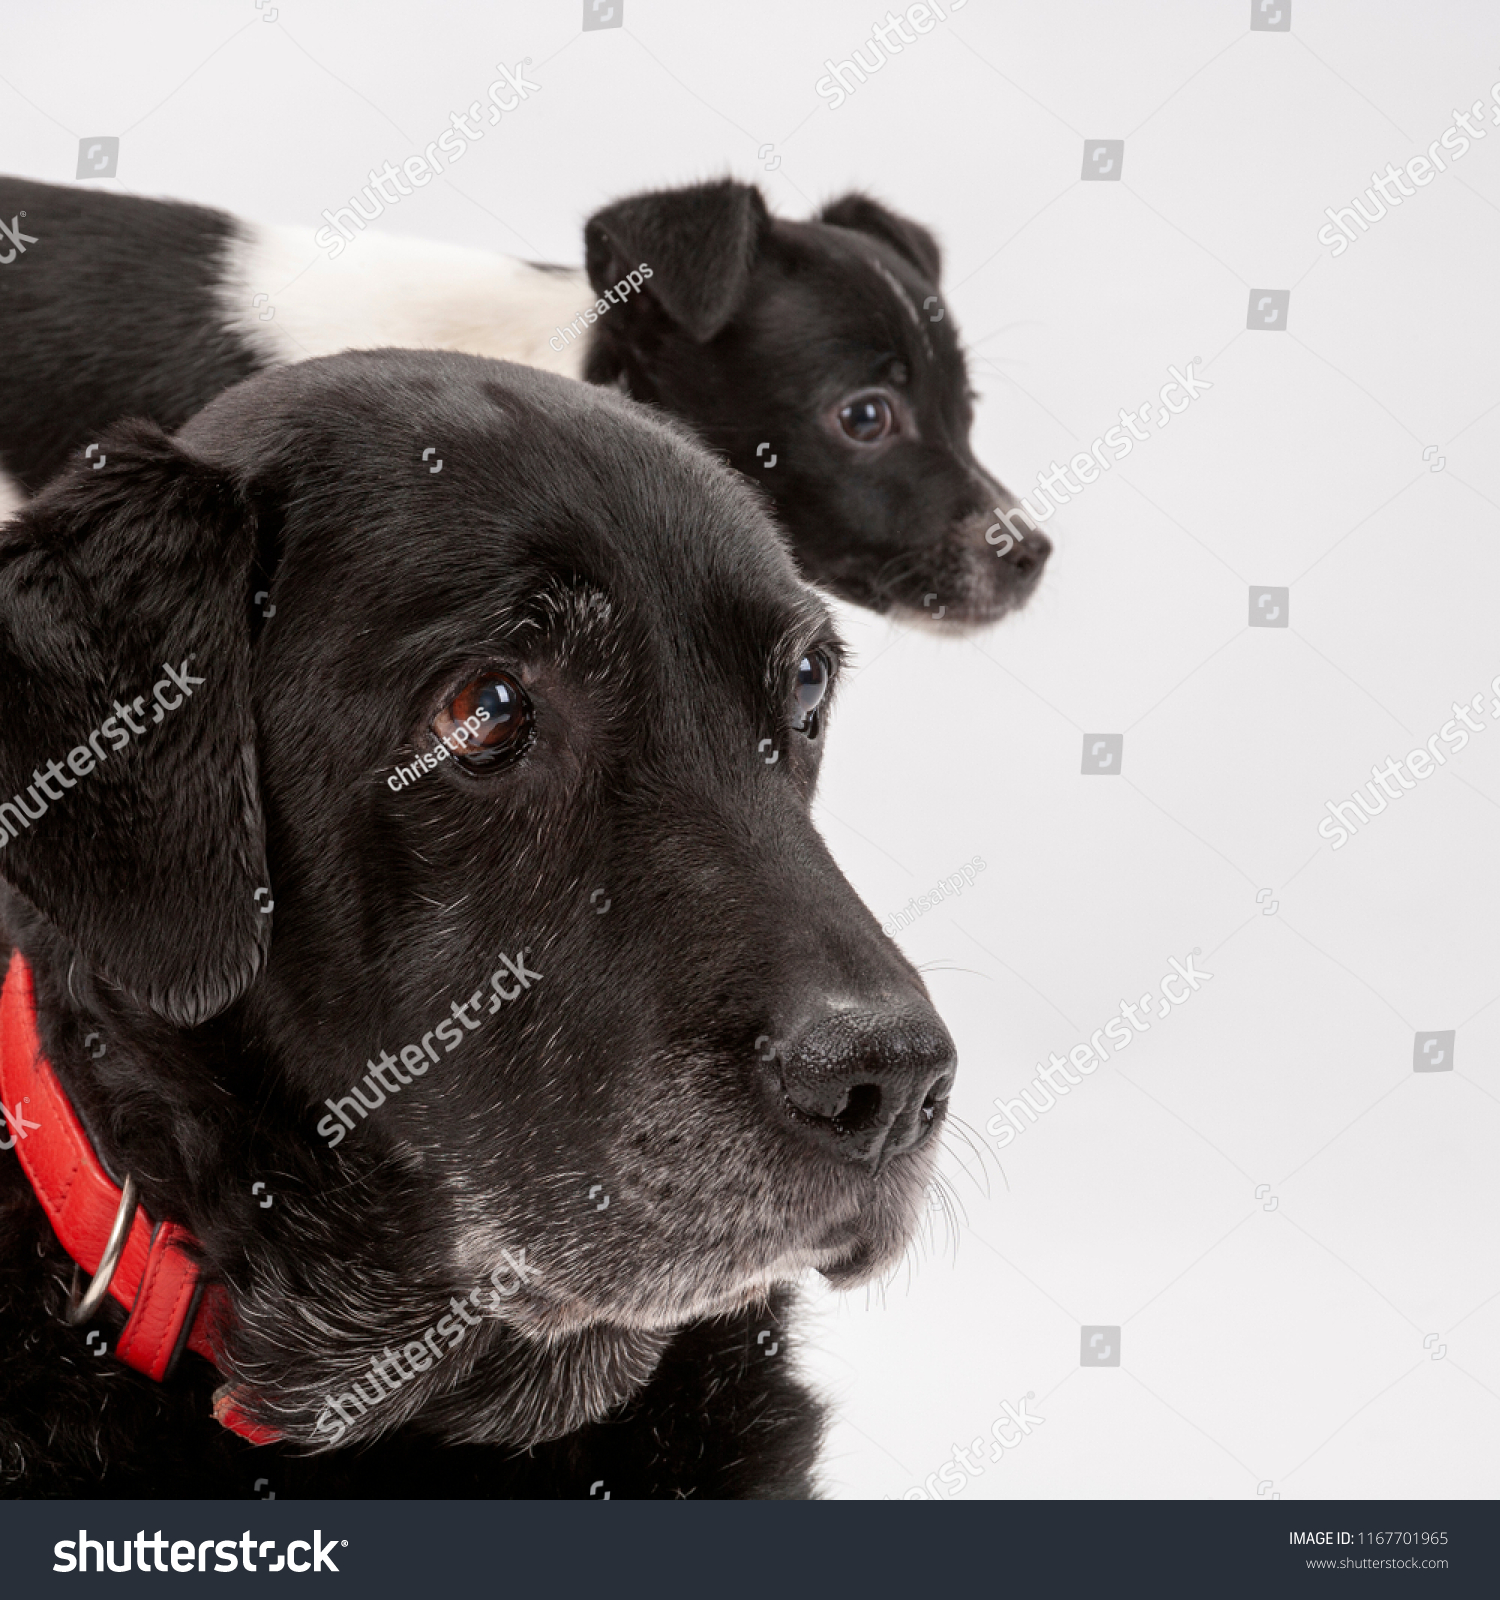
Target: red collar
point(156, 1282)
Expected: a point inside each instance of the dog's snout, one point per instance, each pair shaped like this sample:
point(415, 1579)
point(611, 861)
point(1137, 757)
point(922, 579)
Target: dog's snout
point(1011, 539)
point(1026, 557)
point(866, 1085)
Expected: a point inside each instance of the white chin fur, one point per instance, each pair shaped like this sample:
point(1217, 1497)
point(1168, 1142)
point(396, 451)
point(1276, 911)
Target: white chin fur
point(12, 496)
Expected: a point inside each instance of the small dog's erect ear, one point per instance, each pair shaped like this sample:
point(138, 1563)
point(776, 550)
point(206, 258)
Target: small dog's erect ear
point(130, 809)
point(700, 243)
point(906, 238)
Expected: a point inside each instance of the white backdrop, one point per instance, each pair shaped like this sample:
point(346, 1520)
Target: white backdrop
point(1287, 1232)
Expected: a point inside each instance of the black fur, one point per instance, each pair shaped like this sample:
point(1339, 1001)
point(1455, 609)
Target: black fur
point(754, 330)
point(111, 313)
point(682, 1050)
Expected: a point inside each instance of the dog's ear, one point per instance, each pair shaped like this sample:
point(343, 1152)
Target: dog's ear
point(700, 244)
point(905, 237)
point(124, 605)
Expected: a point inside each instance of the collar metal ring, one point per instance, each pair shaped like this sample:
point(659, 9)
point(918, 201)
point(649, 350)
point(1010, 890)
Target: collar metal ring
point(80, 1310)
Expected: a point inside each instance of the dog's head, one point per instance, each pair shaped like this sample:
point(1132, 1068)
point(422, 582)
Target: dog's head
point(821, 360)
point(642, 1034)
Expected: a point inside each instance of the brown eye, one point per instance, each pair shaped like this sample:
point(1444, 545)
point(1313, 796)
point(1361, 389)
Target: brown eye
point(813, 674)
point(487, 723)
point(868, 419)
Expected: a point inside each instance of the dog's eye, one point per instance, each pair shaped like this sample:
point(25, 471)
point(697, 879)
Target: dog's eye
point(868, 419)
point(487, 722)
point(813, 673)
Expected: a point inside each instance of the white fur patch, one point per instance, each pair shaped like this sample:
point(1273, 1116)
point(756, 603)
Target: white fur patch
point(385, 290)
point(12, 496)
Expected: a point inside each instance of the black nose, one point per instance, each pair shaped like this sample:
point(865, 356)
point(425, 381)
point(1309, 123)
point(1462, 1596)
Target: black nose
point(1028, 556)
point(866, 1085)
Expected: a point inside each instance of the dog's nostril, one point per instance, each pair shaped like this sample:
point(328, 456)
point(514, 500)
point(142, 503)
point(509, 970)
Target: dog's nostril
point(861, 1108)
point(936, 1097)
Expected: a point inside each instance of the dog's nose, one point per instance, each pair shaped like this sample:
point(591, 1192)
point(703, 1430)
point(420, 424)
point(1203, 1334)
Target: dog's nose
point(1028, 556)
point(866, 1085)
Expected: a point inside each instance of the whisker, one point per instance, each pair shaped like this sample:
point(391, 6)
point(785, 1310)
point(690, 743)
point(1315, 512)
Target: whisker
point(981, 1151)
point(969, 1135)
point(943, 965)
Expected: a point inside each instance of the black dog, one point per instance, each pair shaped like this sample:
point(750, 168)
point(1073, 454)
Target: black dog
point(817, 357)
point(382, 1043)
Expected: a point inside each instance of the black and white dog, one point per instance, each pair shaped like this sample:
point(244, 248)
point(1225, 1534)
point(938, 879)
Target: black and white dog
point(818, 358)
point(500, 1103)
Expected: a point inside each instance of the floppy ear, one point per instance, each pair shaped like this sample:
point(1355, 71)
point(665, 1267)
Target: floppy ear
point(124, 605)
point(699, 242)
point(905, 237)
